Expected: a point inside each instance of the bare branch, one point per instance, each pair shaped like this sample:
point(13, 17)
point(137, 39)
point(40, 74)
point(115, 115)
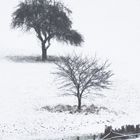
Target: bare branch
point(81, 75)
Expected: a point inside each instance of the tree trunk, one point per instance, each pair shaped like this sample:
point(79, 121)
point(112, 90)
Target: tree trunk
point(79, 104)
point(44, 52)
point(78, 138)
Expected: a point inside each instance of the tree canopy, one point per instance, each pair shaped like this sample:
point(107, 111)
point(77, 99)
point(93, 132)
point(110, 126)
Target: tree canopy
point(50, 19)
point(81, 76)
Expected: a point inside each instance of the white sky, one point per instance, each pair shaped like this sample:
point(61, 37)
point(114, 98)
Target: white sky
point(111, 29)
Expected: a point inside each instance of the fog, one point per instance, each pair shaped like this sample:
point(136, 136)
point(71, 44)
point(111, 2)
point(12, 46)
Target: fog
point(111, 29)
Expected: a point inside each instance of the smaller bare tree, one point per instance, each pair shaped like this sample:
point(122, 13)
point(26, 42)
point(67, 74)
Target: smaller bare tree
point(80, 76)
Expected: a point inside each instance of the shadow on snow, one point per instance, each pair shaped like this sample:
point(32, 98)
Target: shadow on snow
point(31, 59)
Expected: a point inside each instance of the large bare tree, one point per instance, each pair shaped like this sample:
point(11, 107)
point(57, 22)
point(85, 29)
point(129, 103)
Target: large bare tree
point(49, 19)
point(81, 76)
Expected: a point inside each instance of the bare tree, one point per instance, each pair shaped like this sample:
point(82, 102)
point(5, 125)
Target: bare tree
point(49, 19)
point(80, 76)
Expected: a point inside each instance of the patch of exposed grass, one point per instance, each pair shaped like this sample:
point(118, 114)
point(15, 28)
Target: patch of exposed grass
point(92, 109)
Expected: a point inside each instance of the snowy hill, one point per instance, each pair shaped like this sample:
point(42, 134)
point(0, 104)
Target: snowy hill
point(112, 31)
point(26, 87)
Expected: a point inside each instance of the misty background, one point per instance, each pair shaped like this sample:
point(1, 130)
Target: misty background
point(111, 29)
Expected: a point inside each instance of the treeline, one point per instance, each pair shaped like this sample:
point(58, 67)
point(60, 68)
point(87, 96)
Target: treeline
point(127, 129)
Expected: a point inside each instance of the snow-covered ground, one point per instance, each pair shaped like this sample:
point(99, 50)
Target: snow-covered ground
point(111, 29)
point(25, 87)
